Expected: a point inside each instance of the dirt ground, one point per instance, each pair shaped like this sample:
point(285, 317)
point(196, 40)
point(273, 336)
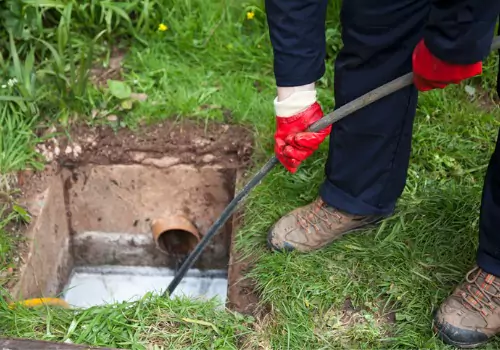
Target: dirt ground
point(184, 143)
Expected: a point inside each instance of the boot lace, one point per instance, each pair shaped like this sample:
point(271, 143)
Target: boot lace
point(481, 295)
point(317, 214)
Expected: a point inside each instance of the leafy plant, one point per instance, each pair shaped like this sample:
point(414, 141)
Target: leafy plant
point(23, 22)
point(121, 99)
point(121, 91)
point(17, 141)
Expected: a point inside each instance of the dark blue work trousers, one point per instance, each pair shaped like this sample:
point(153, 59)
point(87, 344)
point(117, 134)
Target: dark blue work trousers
point(369, 150)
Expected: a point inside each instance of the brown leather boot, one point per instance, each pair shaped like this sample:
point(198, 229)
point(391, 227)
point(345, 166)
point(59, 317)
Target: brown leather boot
point(314, 226)
point(471, 315)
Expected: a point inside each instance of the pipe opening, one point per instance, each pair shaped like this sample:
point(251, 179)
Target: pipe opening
point(175, 235)
point(177, 242)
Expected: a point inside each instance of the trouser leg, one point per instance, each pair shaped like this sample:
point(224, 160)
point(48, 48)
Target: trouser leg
point(369, 150)
point(488, 254)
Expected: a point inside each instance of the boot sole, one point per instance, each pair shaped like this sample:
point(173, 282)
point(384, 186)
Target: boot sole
point(365, 226)
point(447, 340)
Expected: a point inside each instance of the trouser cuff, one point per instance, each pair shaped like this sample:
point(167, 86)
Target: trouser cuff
point(488, 263)
point(335, 197)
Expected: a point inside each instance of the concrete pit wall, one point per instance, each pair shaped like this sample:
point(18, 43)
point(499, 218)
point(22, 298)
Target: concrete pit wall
point(48, 262)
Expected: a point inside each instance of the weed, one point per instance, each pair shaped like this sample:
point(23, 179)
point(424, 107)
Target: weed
point(17, 141)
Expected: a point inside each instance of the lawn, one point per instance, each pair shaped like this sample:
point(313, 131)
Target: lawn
point(198, 59)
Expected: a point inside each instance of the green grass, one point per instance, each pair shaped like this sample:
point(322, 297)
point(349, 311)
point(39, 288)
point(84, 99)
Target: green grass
point(412, 261)
point(155, 321)
point(213, 64)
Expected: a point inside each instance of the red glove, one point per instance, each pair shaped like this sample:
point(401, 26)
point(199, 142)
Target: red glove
point(429, 72)
point(292, 144)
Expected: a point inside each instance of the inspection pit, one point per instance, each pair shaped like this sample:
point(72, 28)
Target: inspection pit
point(91, 236)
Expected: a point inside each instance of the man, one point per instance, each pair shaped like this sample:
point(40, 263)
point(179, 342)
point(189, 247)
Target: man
point(443, 42)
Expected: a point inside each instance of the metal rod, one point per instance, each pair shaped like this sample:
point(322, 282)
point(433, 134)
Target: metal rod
point(335, 116)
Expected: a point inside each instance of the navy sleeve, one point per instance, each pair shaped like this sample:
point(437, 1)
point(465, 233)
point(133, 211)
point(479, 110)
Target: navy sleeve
point(498, 70)
point(297, 33)
point(461, 31)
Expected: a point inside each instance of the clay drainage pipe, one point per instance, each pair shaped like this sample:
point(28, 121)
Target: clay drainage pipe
point(175, 235)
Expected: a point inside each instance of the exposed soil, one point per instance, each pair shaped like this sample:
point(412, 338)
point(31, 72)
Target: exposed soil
point(487, 103)
point(342, 324)
point(485, 99)
point(160, 145)
point(242, 294)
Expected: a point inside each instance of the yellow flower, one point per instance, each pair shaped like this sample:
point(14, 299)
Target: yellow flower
point(250, 15)
point(162, 27)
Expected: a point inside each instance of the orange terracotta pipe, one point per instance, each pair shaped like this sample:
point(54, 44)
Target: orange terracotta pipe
point(175, 235)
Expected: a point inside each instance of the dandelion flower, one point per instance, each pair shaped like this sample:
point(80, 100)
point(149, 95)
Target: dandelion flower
point(250, 15)
point(162, 27)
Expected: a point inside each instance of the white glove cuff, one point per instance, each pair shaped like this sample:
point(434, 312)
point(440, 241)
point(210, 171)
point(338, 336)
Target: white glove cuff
point(297, 102)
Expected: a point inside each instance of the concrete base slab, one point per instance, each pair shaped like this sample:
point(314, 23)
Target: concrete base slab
point(98, 285)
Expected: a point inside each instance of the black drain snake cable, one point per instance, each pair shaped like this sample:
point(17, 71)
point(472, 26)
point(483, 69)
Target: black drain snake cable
point(335, 116)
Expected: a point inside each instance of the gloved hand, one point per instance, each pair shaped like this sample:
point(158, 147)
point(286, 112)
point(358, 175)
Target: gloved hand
point(292, 144)
point(429, 72)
